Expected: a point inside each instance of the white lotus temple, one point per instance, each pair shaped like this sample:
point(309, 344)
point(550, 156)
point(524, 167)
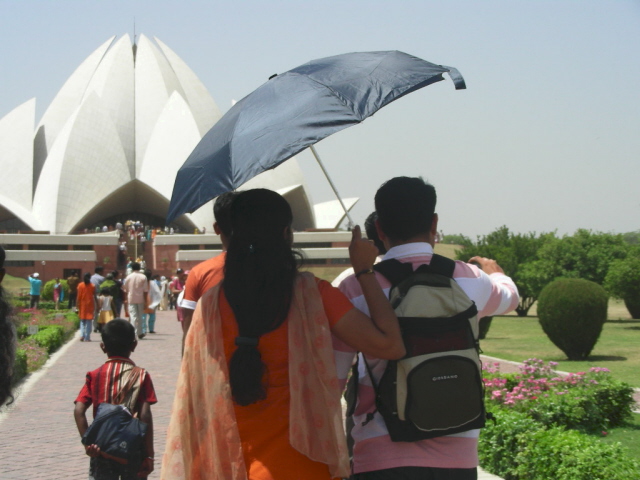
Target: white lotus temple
point(109, 146)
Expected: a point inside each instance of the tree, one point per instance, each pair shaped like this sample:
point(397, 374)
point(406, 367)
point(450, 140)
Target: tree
point(455, 239)
point(623, 281)
point(585, 255)
point(512, 252)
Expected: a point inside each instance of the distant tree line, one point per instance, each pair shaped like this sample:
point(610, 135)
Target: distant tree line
point(534, 260)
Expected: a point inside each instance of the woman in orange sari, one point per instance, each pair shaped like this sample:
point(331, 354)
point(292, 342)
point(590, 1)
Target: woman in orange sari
point(257, 396)
point(85, 302)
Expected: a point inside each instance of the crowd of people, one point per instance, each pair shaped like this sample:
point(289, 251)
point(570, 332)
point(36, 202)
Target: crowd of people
point(267, 349)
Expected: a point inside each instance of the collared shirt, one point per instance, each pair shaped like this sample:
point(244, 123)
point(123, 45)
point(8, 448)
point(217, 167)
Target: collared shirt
point(493, 294)
point(136, 284)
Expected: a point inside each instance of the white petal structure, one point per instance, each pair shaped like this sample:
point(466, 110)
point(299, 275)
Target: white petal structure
point(110, 144)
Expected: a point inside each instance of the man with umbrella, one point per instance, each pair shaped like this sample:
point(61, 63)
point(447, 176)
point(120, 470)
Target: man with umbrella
point(407, 224)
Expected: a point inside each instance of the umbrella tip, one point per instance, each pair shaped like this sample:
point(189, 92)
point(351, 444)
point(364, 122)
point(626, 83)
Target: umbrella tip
point(273, 76)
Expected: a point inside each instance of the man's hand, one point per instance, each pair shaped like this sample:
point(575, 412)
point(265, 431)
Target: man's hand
point(146, 468)
point(487, 265)
point(362, 252)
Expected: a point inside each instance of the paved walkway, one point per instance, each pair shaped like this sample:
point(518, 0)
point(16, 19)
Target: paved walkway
point(38, 436)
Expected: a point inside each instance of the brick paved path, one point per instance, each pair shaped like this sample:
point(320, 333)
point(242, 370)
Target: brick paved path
point(38, 437)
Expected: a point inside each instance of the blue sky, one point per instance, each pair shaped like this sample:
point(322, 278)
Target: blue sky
point(546, 136)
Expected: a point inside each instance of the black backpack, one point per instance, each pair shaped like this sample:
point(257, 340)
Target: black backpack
point(437, 388)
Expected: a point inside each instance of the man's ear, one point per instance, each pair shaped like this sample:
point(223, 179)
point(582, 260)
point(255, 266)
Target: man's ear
point(434, 224)
point(134, 345)
point(382, 236)
point(102, 347)
point(216, 228)
point(433, 232)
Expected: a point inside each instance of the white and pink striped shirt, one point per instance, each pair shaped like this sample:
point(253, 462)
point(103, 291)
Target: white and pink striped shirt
point(493, 294)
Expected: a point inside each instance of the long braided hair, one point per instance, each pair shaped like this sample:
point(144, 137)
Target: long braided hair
point(259, 274)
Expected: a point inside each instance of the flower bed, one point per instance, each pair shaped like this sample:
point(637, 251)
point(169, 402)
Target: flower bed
point(54, 329)
point(547, 425)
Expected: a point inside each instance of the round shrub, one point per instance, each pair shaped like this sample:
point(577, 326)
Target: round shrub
point(572, 312)
point(47, 289)
point(623, 282)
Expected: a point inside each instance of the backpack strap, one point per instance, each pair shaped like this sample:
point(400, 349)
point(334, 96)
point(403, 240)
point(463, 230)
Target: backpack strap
point(442, 265)
point(394, 270)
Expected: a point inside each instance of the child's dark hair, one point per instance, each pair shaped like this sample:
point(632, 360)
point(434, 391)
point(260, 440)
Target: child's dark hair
point(105, 291)
point(118, 337)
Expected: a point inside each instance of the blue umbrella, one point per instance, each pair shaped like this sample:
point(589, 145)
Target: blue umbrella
point(293, 111)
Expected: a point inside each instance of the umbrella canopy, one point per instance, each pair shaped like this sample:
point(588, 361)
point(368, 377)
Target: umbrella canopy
point(293, 111)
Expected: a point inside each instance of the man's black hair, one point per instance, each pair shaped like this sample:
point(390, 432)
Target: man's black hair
point(405, 207)
point(135, 266)
point(372, 232)
point(118, 337)
point(222, 211)
point(99, 269)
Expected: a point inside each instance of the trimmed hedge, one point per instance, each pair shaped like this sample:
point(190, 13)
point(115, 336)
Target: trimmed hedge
point(517, 447)
point(572, 311)
point(50, 337)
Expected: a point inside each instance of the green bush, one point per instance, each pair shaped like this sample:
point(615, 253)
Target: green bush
point(517, 447)
point(47, 289)
point(623, 282)
point(50, 337)
point(20, 366)
point(572, 312)
point(590, 407)
point(484, 324)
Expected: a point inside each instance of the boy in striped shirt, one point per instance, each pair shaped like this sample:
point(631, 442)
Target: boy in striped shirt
point(119, 382)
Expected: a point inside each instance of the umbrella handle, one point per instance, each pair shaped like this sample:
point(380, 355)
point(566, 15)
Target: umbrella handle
point(326, 174)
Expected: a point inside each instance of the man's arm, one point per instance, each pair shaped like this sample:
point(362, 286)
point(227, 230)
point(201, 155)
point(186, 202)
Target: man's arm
point(494, 292)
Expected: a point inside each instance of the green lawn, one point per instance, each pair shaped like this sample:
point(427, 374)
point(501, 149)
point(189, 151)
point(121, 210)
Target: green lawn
point(514, 338)
point(14, 284)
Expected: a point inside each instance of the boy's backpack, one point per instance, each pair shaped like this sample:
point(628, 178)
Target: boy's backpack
point(437, 388)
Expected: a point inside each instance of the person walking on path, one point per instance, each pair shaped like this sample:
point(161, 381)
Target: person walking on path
point(34, 291)
point(57, 293)
point(258, 361)
point(209, 273)
point(149, 316)
point(407, 224)
point(136, 287)
point(176, 287)
point(96, 279)
point(106, 385)
point(105, 304)
point(86, 307)
point(72, 283)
